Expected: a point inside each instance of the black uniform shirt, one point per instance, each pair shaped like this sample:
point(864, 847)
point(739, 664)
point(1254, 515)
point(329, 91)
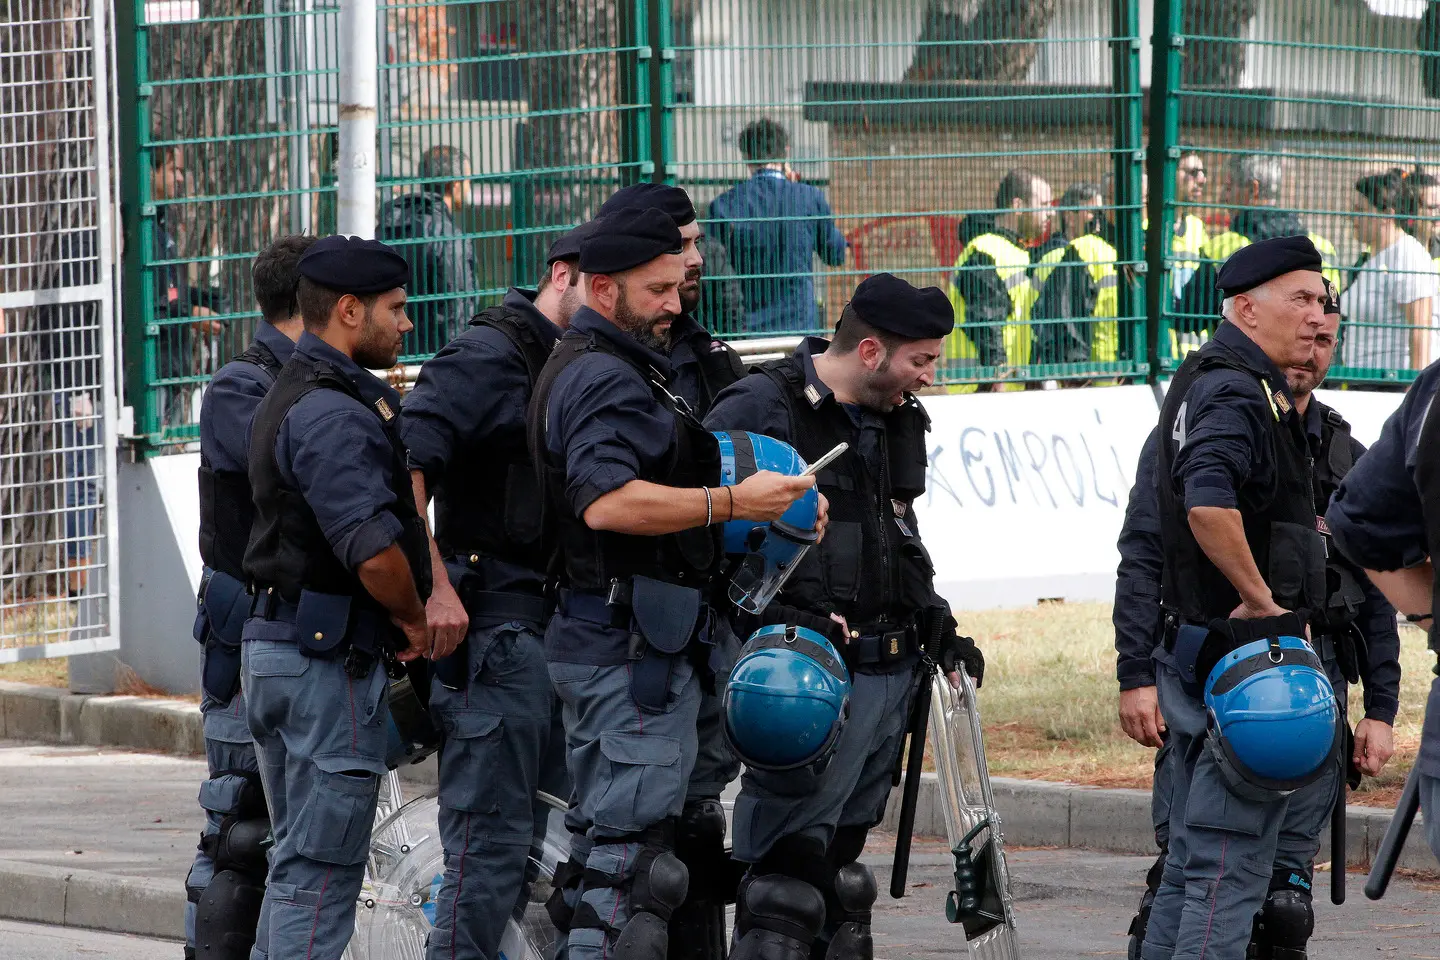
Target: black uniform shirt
point(230, 401)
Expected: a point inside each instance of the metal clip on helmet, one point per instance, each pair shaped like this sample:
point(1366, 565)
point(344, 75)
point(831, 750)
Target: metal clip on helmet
point(767, 553)
point(1273, 716)
point(787, 699)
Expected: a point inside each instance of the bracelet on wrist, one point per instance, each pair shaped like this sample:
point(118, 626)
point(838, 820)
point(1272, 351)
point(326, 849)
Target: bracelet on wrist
point(709, 507)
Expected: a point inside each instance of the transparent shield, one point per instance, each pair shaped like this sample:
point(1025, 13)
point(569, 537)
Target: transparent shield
point(972, 823)
point(757, 581)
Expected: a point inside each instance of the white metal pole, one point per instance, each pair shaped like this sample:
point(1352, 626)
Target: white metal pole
point(359, 64)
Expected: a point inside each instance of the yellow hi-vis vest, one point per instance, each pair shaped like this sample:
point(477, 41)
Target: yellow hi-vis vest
point(1099, 257)
point(1186, 245)
point(1221, 246)
point(1012, 263)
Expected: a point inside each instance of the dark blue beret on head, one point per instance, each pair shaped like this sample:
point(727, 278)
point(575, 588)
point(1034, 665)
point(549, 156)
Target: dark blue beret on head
point(352, 265)
point(628, 238)
point(889, 303)
point(1263, 261)
point(672, 200)
point(567, 246)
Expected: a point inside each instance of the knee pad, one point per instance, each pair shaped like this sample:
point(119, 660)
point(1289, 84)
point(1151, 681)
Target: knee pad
point(660, 883)
point(564, 894)
point(225, 917)
point(1284, 925)
point(241, 845)
point(855, 894)
point(783, 917)
point(697, 927)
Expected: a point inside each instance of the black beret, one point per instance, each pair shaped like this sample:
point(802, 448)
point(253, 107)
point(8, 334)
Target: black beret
point(887, 302)
point(628, 238)
point(567, 246)
point(672, 200)
point(353, 265)
point(1263, 261)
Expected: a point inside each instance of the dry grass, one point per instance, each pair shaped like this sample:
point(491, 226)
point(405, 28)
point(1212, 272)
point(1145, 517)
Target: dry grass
point(45, 673)
point(1050, 696)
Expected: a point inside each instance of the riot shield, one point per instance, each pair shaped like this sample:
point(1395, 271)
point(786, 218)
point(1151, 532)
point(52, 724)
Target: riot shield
point(981, 902)
point(402, 879)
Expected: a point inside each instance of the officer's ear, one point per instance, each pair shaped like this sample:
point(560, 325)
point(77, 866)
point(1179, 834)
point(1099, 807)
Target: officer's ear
point(872, 353)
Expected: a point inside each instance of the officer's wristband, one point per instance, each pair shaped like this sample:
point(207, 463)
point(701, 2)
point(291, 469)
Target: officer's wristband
point(709, 507)
point(730, 493)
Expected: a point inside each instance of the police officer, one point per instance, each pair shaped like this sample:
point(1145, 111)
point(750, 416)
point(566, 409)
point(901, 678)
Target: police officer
point(1385, 518)
point(632, 480)
point(1237, 514)
point(339, 566)
point(802, 830)
point(464, 428)
point(232, 798)
point(1353, 604)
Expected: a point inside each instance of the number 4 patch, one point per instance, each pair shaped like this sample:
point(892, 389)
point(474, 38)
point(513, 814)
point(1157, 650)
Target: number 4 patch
point(1177, 431)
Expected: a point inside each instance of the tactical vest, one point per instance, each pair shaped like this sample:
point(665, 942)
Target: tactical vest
point(1279, 523)
point(718, 369)
point(860, 558)
point(226, 510)
point(487, 502)
point(1099, 257)
point(289, 551)
point(1344, 594)
point(592, 559)
point(1012, 263)
point(1427, 481)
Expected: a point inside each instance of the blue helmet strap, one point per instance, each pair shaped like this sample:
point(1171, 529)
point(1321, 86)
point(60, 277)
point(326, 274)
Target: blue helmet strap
point(791, 640)
point(1276, 656)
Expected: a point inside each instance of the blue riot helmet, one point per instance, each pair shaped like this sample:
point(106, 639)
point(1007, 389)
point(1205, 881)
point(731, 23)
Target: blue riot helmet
point(765, 553)
point(787, 699)
point(1273, 716)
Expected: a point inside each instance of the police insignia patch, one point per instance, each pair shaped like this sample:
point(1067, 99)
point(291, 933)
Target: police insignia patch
point(812, 394)
point(383, 408)
point(1282, 402)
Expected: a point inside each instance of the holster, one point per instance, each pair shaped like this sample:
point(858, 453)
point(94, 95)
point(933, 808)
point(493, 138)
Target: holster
point(665, 619)
point(223, 607)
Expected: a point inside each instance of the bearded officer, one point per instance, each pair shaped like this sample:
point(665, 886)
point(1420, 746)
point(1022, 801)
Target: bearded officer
point(235, 823)
point(633, 482)
point(1356, 637)
point(464, 428)
point(802, 831)
point(339, 565)
point(1236, 490)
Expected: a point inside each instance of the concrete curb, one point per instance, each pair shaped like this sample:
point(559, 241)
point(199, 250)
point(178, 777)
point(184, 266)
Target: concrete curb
point(91, 899)
point(29, 712)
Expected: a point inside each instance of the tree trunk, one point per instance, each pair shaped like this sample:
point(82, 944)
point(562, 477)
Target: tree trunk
point(1207, 63)
point(953, 40)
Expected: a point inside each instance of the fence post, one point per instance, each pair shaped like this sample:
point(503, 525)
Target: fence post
point(1129, 157)
point(662, 92)
point(359, 61)
point(1167, 43)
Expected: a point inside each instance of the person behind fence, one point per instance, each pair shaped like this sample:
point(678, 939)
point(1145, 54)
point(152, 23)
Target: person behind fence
point(1356, 637)
point(339, 567)
point(632, 481)
point(774, 227)
point(1077, 284)
point(1188, 234)
point(991, 289)
point(464, 428)
point(868, 589)
point(226, 882)
point(1254, 183)
point(1385, 517)
point(1424, 207)
point(1243, 563)
point(422, 226)
point(1389, 304)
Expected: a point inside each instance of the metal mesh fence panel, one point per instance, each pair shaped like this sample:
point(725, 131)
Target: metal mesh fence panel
point(56, 415)
point(1314, 118)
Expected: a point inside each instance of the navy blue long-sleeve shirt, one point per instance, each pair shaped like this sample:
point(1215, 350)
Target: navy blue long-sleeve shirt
point(230, 401)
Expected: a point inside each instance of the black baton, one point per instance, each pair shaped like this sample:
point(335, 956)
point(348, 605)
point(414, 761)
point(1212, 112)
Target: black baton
point(915, 761)
point(1337, 841)
point(1394, 841)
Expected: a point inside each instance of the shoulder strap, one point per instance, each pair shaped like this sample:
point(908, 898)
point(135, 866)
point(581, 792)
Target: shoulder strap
point(259, 355)
point(1341, 456)
point(520, 334)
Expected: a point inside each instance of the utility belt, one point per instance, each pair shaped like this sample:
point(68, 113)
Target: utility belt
point(487, 608)
point(222, 606)
point(882, 647)
point(329, 626)
point(655, 623)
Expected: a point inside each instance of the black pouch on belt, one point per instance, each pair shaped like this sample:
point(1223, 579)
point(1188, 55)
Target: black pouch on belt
point(322, 623)
point(224, 607)
point(663, 618)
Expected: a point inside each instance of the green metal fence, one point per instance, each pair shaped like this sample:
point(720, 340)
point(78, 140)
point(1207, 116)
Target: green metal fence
point(1313, 117)
point(995, 149)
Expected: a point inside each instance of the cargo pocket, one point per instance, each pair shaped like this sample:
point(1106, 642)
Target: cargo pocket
point(1212, 807)
point(334, 825)
point(232, 793)
point(639, 782)
point(840, 553)
point(471, 740)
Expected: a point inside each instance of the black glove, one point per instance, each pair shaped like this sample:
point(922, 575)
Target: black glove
point(955, 649)
point(1227, 635)
point(793, 616)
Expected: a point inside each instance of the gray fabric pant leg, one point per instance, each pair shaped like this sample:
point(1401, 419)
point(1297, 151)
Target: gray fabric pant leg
point(1222, 847)
point(852, 788)
point(227, 747)
point(320, 740)
point(495, 733)
point(630, 769)
point(715, 763)
point(1430, 810)
point(1309, 809)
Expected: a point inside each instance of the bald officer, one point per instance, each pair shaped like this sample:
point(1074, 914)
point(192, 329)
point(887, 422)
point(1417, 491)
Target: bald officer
point(1236, 482)
point(632, 480)
point(339, 566)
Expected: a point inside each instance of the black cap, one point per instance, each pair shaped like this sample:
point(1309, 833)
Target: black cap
point(567, 246)
point(628, 238)
point(887, 302)
point(1263, 261)
point(353, 265)
point(672, 200)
